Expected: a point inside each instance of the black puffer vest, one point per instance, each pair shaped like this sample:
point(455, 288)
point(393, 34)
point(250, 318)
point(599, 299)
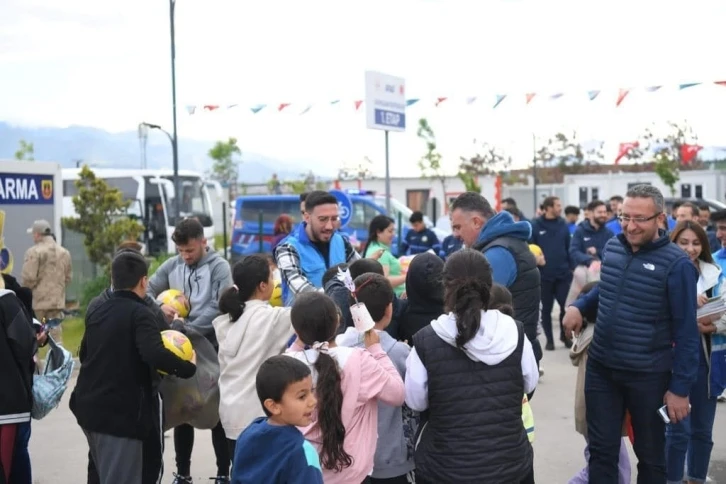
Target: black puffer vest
point(474, 431)
point(526, 289)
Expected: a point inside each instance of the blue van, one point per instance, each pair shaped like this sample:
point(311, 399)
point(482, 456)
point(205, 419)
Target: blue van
point(249, 208)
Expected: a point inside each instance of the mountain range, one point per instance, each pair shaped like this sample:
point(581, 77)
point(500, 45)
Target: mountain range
point(97, 147)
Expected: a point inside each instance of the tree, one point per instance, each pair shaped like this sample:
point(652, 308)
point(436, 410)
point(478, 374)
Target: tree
point(297, 186)
point(225, 168)
point(487, 160)
point(668, 150)
point(26, 151)
point(101, 217)
point(430, 163)
point(568, 153)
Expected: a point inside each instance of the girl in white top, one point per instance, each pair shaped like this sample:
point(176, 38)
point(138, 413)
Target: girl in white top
point(249, 331)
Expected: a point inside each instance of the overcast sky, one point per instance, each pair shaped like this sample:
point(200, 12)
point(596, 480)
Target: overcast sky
point(106, 64)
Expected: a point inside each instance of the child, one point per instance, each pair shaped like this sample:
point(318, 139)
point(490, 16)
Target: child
point(115, 397)
point(501, 299)
point(349, 382)
point(392, 464)
point(578, 356)
point(272, 449)
point(249, 331)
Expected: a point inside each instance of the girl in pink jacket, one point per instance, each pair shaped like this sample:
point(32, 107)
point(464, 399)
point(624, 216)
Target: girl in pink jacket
point(349, 382)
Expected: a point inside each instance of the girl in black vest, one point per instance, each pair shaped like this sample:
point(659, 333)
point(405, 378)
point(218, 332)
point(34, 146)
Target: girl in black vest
point(469, 369)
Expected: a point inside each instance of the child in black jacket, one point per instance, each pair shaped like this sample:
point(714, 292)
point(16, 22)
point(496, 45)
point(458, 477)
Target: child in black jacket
point(120, 353)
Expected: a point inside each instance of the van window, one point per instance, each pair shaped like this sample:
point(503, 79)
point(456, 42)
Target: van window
point(126, 185)
point(271, 209)
point(363, 213)
point(69, 188)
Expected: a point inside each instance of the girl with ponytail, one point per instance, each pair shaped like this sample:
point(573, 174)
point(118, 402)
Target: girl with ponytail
point(348, 382)
point(470, 368)
point(249, 331)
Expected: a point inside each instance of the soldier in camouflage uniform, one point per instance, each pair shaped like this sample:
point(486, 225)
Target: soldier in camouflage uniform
point(47, 271)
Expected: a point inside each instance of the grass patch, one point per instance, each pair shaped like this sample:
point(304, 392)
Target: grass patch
point(73, 329)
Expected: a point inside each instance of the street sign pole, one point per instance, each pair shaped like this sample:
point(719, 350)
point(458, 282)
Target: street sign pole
point(388, 179)
point(385, 110)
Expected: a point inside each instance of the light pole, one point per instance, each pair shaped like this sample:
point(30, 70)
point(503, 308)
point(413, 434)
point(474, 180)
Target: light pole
point(156, 126)
point(174, 138)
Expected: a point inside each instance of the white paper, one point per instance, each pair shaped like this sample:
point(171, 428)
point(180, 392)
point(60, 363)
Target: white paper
point(362, 319)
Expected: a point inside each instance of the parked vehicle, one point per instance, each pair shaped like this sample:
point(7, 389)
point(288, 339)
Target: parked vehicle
point(249, 238)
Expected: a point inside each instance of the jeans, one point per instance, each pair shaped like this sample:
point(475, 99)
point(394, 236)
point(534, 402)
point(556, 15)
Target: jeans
point(608, 393)
point(583, 476)
point(551, 291)
point(692, 436)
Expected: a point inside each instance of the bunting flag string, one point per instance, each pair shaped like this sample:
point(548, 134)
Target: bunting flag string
point(438, 101)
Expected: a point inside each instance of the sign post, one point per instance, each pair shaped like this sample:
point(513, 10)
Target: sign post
point(385, 110)
point(345, 206)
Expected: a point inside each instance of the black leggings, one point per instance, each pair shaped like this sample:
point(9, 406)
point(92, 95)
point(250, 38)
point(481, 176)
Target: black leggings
point(184, 443)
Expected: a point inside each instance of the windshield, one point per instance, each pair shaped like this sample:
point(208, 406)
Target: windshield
point(194, 201)
point(398, 207)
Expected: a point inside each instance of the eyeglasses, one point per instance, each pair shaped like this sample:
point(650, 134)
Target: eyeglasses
point(624, 219)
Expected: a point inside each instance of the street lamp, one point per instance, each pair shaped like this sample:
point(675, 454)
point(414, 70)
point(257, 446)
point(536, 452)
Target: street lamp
point(156, 126)
point(174, 138)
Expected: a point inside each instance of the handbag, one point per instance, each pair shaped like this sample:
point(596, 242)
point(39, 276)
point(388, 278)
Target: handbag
point(49, 386)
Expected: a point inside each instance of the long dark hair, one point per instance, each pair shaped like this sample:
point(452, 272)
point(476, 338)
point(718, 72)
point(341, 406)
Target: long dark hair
point(315, 318)
point(684, 225)
point(379, 223)
point(501, 299)
point(247, 276)
point(467, 288)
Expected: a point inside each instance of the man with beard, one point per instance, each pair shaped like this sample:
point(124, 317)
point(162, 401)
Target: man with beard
point(314, 246)
point(586, 248)
point(644, 350)
point(201, 274)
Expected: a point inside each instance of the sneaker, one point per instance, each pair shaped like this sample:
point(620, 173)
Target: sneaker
point(182, 479)
point(722, 397)
point(220, 479)
point(541, 369)
point(550, 346)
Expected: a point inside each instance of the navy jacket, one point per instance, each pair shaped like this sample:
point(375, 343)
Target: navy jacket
point(587, 236)
point(418, 242)
point(553, 237)
point(450, 245)
point(275, 454)
point(713, 240)
point(646, 311)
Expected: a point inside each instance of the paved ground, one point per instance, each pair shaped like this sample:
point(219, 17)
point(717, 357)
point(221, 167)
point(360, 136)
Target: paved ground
point(58, 448)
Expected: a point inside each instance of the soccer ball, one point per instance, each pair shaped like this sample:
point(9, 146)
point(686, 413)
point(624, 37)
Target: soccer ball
point(276, 298)
point(178, 344)
point(176, 299)
point(535, 249)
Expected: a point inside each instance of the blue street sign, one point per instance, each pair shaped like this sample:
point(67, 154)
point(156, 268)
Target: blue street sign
point(345, 206)
point(390, 119)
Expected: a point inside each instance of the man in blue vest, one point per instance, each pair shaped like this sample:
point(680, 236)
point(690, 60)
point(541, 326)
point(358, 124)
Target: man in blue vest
point(644, 351)
point(313, 247)
point(504, 243)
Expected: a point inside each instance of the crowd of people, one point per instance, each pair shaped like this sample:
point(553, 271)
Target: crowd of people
point(379, 373)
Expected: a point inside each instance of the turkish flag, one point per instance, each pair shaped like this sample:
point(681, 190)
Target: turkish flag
point(689, 153)
point(624, 149)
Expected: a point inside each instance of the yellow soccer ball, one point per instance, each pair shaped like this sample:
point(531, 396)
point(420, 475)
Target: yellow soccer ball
point(276, 298)
point(178, 344)
point(176, 299)
point(535, 249)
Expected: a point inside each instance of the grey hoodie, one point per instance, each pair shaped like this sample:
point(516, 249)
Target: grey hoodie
point(201, 283)
point(391, 458)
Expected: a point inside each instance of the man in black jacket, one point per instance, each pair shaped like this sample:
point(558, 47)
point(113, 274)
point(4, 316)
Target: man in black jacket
point(121, 352)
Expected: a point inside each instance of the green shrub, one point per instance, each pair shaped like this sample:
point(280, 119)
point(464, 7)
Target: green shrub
point(93, 288)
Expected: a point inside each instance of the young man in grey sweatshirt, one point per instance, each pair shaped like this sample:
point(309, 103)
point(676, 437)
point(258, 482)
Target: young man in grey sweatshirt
point(393, 461)
point(201, 274)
